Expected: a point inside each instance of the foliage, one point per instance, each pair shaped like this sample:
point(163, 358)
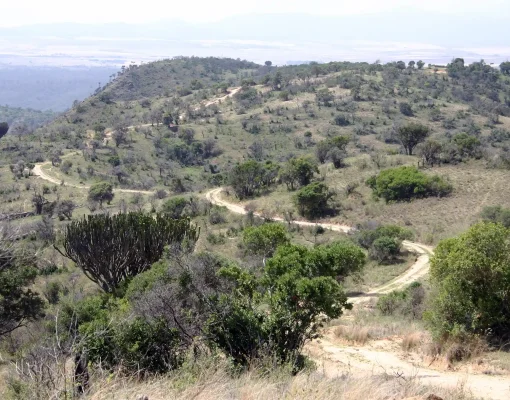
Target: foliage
point(312, 200)
point(470, 276)
point(111, 249)
point(412, 134)
point(407, 303)
point(406, 183)
point(174, 207)
point(298, 171)
point(383, 242)
point(102, 191)
point(18, 303)
point(265, 239)
point(324, 148)
point(247, 315)
point(405, 108)
point(248, 178)
point(468, 145)
point(496, 214)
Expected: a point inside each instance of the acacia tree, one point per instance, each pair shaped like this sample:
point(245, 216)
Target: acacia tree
point(411, 134)
point(111, 249)
point(102, 191)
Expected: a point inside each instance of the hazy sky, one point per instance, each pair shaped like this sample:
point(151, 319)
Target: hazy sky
point(21, 12)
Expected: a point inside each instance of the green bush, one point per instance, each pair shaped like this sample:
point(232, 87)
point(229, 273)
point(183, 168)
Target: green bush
point(312, 200)
point(110, 338)
point(408, 302)
point(265, 239)
point(174, 207)
point(470, 275)
point(406, 183)
point(383, 242)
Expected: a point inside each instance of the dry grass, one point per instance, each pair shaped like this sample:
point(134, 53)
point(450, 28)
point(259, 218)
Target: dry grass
point(215, 383)
point(412, 341)
point(353, 334)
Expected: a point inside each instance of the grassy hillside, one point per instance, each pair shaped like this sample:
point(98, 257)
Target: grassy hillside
point(164, 133)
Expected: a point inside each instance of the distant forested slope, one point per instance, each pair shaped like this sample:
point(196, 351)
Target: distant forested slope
point(49, 88)
point(25, 116)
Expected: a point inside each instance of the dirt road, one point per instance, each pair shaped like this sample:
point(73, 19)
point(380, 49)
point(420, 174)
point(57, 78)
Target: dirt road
point(419, 269)
point(41, 173)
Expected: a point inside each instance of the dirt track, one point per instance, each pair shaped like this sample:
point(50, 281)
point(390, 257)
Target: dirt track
point(416, 271)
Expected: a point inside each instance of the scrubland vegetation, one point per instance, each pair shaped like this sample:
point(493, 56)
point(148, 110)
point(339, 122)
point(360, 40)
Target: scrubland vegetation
point(118, 275)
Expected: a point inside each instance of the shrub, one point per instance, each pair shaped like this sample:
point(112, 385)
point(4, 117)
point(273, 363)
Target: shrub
point(265, 239)
point(248, 315)
point(109, 338)
point(298, 171)
point(102, 191)
point(174, 207)
point(406, 183)
point(496, 214)
point(470, 275)
point(408, 302)
point(384, 241)
point(405, 108)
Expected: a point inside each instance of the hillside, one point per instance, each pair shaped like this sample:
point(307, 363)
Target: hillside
point(28, 117)
point(380, 162)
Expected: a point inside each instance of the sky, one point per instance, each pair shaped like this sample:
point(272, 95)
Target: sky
point(27, 12)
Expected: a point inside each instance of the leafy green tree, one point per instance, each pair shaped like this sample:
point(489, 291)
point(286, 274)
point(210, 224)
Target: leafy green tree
point(411, 135)
point(312, 201)
point(4, 128)
point(111, 249)
point(420, 64)
point(401, 65)
point(324, 97)
point(102, 191)
point(470, 275)
point(324, 147)
point(298, 171)
point(411, 64)
point(247, 178)
point(268, 63)
point(405, 183)
point(18, 303)
point(265, 239)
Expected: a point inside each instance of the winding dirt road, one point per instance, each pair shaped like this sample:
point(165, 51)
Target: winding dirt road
point(419, 269)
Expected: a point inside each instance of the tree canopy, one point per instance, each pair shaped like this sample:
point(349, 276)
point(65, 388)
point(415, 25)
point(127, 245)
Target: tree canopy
point(412, 134)
point(102, 191)
point(471, 278)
